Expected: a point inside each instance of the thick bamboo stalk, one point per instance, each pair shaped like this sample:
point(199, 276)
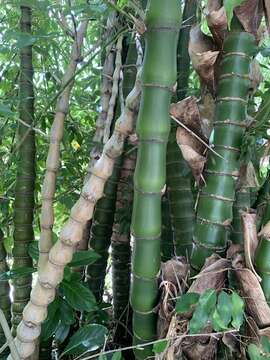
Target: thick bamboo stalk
point(242, 203)
point(61, 253)
point(158, 80)
point(4, 295)
point(179, 176)
point(214, 212)
point(25, 179)
point(53, 158)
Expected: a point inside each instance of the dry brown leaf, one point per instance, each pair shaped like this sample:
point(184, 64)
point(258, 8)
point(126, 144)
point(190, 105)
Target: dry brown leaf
point(200, 347)
point(214, 5)
point(217, 22)
point(253, 295)
point(203, 56)
point(187, 111)
point(255, 75)
point(207, 110)
point(191, 149)
point(212, 276)
point(250, 13)
point(265, 231)
point(175, 271)
point(250, 239)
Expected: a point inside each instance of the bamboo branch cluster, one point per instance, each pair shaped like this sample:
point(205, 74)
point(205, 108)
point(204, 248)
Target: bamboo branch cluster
point(53, 158)
point(61, 253)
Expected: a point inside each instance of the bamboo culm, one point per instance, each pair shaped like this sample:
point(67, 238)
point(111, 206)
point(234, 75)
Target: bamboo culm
point(153, 126)
point(215, 204)
point(179, 177)
point(61, 253)
point(53, 158)
point(25, 179)
point(166, 246)
point(4, 295)
point(101, 231)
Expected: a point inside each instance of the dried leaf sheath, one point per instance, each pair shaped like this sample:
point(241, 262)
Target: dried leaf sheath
point(158, 78)
point(25, 178)
point(214, 212)
point(61, 253)
point(53, 158)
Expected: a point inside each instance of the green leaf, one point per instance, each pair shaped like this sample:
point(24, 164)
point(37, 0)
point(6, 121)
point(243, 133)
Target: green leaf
point(223, 312)
point(102, 357)
point(229, 6)
point(50, 325)
point(204, 309)
point(67, 313)
point(5, 110)
point(61, 333)
point(89, 338)
point(16, 273)
point(186, 302)
point(265, 344)
point(117, 355)
point(160, 346)
point(238, 307)
point(83, 258)
point(254, 352)
point(78, 296)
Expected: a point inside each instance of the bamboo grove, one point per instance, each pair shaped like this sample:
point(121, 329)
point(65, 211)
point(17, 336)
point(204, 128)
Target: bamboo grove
point(135, 194)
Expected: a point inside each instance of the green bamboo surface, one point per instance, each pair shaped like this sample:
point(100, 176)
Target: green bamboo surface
point(4, 295)
point(242, 203)
point(153, 126)
point(215, 205)
point(166, 246)
point(179, 177)
point(25, 181)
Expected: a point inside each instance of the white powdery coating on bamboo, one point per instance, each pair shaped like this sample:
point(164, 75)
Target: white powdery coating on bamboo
point(61, 253)
point(115, 87)
point(53, 158)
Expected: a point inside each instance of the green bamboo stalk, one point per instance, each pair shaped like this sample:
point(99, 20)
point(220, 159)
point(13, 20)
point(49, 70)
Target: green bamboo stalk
point(25, 181)
point(101, 232)
point(167, 248)
point(214, 212)
point(263, 265)
point(4, 295)
point(178, 173)
point(120, 241)
point(153, 126)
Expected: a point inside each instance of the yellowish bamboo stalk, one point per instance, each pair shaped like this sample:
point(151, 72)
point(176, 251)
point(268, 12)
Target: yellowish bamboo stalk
point(53, 158)
point(61, 253)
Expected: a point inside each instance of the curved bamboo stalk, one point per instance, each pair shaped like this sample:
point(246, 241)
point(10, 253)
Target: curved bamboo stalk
point(214, 212)
point(4, 296)
point(61, 253)
point(153, 126)
point(25, 179)
point(53, 158)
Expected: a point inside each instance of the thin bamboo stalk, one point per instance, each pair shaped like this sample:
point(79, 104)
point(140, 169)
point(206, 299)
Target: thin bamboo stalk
point(61, 253)
point(25, 179)
point(53, 158)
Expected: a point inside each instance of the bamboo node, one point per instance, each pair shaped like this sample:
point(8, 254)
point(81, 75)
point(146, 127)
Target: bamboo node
point(232, 98)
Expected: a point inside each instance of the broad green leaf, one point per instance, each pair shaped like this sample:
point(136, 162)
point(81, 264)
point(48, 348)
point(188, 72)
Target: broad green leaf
point(67, 313)
point(265, 344)
point(89, 338)
point(61, 333)
point(186, 302)
point(102, 357)
point(16, 273)
point(223, 312)
point(160, 346)
point(50, 325)
point(117, 355)
point(204, 309)
point(5, 110)
point(254, 352)
point(83, 258)
point(238, 307)
point(229, 6)
point(78, 296)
